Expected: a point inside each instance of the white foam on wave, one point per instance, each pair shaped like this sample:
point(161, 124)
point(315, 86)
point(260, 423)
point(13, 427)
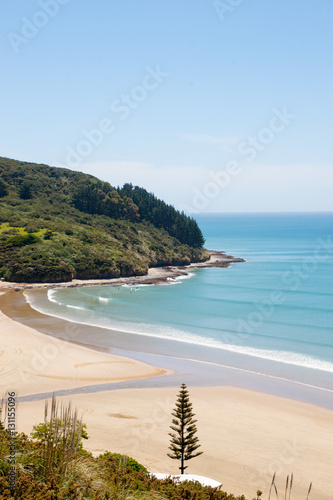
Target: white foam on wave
point(286, 357)
point(75, 307)
point(169, 281)
point(187, 276)
point(103, 299)
point(179, 279)
point(139, 285)
point(51, 296)
point(27, 298)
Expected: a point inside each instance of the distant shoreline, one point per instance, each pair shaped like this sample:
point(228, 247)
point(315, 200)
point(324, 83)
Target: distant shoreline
point(155, 276)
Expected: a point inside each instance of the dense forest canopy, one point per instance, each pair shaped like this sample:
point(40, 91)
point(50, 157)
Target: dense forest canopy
point(57, 224)
point(176, 223)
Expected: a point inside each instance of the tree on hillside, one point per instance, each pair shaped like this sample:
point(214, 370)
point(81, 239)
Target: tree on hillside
point(25, 191)
point(102, 199)
point(184, 441)
point(3, 189)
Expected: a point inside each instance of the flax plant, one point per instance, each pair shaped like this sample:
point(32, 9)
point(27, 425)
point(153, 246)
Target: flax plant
point(60, 436)
point(288, 488)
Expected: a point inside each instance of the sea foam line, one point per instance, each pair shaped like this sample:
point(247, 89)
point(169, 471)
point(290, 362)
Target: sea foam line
point(50, 296)
point(168, 333)
point(78, 308)
point(210, 363)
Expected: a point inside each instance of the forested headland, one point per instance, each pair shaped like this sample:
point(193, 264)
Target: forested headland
point(57, 225)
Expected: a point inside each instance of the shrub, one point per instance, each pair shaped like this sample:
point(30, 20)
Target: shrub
point(25, 191)
point(22, 240)
point(48, 235)
point(32, 228)
point(3, 189)
point(117, 460)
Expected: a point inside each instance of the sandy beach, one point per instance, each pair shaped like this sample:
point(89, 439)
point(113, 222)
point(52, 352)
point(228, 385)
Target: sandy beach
point(246, 436)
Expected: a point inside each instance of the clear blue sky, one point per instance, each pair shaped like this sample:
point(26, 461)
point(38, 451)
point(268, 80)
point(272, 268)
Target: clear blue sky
point(178, 91)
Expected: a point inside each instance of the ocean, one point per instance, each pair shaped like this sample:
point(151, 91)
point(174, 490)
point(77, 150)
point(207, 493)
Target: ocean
point(271, 315)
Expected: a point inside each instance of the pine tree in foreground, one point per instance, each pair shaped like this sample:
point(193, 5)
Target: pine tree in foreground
point(184, 442)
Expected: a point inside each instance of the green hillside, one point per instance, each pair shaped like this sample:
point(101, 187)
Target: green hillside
point(57, 225)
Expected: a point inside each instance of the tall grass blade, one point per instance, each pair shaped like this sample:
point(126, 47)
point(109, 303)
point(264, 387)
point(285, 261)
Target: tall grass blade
point(272, 484)
point(61, 438)
point(286, 490)
point(309, 491)
point(291, 485)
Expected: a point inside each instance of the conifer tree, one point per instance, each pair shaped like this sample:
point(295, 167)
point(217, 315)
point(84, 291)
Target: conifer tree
point(184, 441)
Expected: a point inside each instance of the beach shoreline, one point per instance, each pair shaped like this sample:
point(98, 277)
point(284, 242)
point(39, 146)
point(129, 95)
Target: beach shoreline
point(246, 434)
point(199, 365)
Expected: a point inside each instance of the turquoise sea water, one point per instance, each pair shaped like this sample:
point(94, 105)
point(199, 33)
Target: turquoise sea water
point(274, 309)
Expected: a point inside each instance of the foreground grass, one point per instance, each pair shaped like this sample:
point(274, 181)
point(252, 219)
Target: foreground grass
point(52, 464)
point(82, 476)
